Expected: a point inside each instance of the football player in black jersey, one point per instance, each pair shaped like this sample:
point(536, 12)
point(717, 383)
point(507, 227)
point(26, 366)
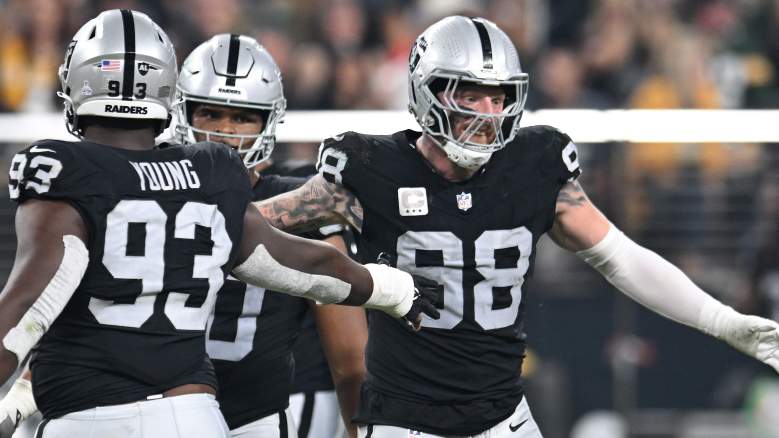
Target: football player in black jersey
point(464, 202)
point(252, 331)
point(122, 247)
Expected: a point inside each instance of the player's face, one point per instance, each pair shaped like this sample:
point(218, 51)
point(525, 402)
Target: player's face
point(478, 98)
point(226, 120)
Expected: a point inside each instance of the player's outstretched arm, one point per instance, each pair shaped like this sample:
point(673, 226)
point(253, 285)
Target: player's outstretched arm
point(343, 332)
point(653, 281)
point(50, 260)
point(278, 261)
point(312, 205)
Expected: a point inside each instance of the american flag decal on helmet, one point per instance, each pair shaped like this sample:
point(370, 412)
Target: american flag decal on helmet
point(110, 65)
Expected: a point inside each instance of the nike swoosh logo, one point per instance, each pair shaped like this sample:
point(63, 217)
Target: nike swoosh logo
point(515, 428)
point(37, 150)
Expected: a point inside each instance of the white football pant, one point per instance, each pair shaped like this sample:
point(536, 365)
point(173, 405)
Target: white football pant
point(276, 425)
point(191, 415)
point(317, 414)
point(519, 425)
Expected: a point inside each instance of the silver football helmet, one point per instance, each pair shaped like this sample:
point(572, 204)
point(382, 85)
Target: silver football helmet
point(458, 51)
point(119, 64)
point(234, 71)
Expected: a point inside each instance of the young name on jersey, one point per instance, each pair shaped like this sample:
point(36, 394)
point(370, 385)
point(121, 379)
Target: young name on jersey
point(166, 175)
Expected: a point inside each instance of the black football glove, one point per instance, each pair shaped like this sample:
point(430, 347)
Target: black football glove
point(425, 294)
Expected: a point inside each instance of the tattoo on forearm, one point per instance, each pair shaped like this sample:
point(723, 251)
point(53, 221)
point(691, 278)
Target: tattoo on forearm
point(572, 194)
point(313, 205)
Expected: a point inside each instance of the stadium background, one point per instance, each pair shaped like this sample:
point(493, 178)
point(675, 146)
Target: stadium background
point(600, 365)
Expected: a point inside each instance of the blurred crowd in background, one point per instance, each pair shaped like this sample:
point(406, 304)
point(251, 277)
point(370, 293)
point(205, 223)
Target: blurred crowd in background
point(711, 208)
point(352, 54)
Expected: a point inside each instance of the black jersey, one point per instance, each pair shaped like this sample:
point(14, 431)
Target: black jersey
point(460, 374)
point(251, 334)
point(164, 227)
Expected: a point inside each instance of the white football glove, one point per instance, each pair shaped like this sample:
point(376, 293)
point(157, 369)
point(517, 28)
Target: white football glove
point(752, 335)
point(17, 405)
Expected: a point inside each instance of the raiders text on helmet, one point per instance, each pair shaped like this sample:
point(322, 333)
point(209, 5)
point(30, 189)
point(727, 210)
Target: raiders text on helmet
point(458, 51)
point(119, 64)
point(234, 71)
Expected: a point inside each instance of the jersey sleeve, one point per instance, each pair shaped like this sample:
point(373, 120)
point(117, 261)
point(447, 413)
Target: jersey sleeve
point(562, 156)
point(340, 159)
point(46, 170)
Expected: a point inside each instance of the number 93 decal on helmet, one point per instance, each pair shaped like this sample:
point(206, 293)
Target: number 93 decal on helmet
point(122, 65)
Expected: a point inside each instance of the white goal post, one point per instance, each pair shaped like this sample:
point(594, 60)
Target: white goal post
point(584, 126)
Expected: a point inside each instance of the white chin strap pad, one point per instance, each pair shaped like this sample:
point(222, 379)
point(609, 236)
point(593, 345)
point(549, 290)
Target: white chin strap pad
point(39, 317)
point(465, 158)
point(262, 270)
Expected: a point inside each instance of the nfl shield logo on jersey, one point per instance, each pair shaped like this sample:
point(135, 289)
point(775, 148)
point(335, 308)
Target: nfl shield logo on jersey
point(414, 434)
point(464, 201)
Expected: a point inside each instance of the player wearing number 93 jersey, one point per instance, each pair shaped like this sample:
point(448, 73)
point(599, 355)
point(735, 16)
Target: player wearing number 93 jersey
point(464, 203)
point(122, 247)
point(151, 215)
point(162, 227)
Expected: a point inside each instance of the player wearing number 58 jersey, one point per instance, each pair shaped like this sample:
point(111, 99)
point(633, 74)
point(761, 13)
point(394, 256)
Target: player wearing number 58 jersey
point(252, 330)
point(464, 202)
point(123, 246)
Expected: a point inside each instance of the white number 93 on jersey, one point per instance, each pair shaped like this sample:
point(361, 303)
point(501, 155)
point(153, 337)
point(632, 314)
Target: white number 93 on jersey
point(32, 171)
